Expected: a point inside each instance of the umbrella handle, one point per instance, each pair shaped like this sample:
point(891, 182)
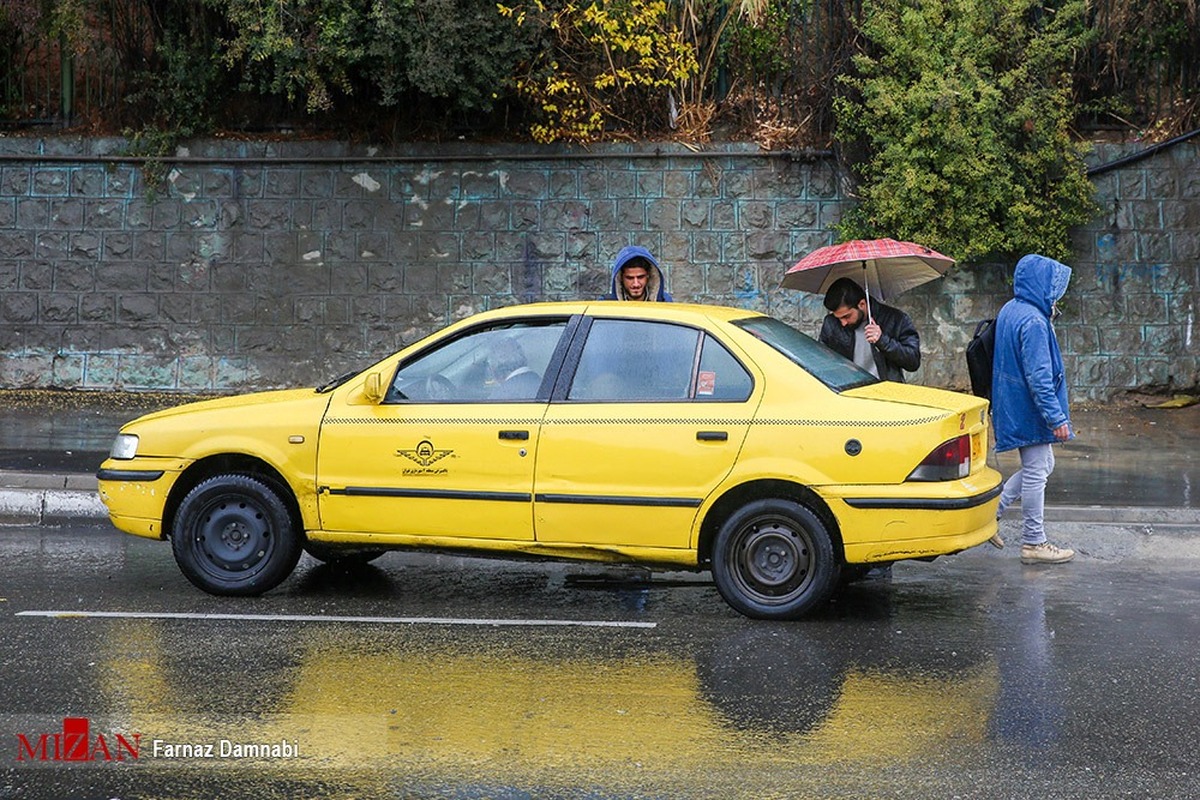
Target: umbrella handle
point(867, 291)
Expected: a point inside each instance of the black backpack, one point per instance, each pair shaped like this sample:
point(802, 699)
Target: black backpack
point(979, 358)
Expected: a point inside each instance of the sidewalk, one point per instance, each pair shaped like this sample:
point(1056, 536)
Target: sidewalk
point(1128, 465)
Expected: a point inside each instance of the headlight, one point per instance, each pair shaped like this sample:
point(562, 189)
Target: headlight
point(125, 446)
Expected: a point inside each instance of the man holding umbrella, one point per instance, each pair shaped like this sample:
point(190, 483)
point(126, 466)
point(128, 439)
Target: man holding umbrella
point(880, 339)
point(877, 337)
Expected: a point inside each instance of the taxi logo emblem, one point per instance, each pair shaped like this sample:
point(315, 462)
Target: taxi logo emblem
point(424, 454)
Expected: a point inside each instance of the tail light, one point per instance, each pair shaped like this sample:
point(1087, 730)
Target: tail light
point(949, 461)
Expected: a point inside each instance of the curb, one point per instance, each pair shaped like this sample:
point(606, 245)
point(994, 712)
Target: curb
point(38, 498)
point(49, 506)
point(1120, 515)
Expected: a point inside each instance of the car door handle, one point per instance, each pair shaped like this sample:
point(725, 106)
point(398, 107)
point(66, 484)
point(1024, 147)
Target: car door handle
point(514, 435)
point(711, 436)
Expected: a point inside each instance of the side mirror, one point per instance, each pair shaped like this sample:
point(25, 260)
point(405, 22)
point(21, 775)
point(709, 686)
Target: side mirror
point(373, 387)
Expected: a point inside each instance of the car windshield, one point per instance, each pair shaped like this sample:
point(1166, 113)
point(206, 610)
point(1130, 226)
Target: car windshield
point(831, 369)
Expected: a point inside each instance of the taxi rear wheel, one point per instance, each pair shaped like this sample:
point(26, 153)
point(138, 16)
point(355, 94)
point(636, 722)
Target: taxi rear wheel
point(233, 535)
point(774, 559)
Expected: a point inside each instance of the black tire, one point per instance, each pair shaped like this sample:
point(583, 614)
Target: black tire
point(774, 559)
point(341, 554)
point(233, 536)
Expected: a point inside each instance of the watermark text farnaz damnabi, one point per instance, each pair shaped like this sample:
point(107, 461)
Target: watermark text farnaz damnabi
point(78, 742)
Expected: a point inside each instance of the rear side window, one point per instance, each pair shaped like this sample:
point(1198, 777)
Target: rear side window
point(638, 361)
point(721, 376)
point(825, 365)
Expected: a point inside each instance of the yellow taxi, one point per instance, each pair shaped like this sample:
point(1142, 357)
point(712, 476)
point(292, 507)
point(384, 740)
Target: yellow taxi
point(670, 435)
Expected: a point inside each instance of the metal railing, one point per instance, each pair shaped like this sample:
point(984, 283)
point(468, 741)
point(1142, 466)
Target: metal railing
point(45, 83)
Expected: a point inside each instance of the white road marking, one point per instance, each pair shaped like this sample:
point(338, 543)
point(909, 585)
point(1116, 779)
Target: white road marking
point(528, 623)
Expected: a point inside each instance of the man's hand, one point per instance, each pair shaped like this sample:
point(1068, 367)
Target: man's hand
point(1063, 432)
point(872, 331)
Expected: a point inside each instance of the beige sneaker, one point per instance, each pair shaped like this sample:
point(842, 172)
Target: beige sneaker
point(996, 541)
point(1045, 553)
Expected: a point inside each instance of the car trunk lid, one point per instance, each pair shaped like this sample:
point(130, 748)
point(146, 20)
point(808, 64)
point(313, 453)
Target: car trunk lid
point(965, 413)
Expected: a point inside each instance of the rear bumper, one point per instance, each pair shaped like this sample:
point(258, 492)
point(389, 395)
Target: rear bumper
point(901, 522)
point(902, 547)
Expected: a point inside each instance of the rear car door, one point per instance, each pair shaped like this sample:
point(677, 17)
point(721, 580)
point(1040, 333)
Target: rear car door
point(647, 420)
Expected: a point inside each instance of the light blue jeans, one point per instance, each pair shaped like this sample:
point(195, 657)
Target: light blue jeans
point(1028, 484)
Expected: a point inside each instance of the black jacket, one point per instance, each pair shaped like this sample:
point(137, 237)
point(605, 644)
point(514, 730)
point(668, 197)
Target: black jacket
point(898, 349)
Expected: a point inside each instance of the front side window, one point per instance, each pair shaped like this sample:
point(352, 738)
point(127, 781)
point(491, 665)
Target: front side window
point(502, 363)
point(637, 361)
point(825, 365)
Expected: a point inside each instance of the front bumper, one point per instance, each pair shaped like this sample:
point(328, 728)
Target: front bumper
point(135, 493)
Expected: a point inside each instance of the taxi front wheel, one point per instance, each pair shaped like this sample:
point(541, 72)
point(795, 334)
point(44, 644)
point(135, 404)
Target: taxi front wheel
point(233, 536)
point(774, 559)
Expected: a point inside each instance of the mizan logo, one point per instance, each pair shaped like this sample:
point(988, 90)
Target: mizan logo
point(76, 742)
point(425, 454)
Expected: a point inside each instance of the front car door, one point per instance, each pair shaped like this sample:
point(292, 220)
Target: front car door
point(450, 451)
point(648, 423)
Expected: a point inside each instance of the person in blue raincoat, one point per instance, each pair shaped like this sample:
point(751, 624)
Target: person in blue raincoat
point(637, 276)
point(1029, 397)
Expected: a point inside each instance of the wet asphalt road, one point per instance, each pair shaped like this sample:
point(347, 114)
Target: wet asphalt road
point(431, 676)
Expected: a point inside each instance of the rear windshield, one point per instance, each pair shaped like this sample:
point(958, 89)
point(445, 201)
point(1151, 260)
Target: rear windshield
point(831, 369)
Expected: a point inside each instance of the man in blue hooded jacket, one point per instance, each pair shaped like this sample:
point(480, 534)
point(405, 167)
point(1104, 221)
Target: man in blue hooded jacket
point(637, 276)
point(1029, 397)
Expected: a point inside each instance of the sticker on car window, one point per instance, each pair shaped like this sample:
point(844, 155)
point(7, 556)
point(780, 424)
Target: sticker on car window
point(706, 382)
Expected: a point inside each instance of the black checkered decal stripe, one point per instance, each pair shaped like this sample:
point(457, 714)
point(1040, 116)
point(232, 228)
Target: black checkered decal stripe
point(841, 423)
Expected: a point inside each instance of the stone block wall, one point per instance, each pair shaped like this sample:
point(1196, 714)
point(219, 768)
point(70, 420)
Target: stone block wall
point(259, 265)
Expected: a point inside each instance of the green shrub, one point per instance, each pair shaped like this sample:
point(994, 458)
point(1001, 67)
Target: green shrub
point(319, 51)
point(458, 51)
point(961, 112)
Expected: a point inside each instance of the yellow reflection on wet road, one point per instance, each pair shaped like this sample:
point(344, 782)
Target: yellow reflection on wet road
point(413, 704)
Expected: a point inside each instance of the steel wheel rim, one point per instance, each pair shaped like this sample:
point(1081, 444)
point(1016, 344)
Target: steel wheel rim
point(233, 537)
point(772, 560)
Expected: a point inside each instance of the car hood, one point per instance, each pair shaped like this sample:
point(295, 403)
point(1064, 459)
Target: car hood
point(255, 399)
point(278, 427)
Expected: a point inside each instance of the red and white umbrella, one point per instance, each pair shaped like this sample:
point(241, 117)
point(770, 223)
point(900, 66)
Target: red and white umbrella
point(883, 267)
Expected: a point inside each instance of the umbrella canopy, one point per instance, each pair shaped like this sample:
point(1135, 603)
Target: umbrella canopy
point(886, 268)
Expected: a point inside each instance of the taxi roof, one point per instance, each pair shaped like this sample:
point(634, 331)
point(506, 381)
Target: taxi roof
point(619, 308)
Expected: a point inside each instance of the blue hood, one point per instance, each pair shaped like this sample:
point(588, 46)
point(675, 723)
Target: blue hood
point(656, 286)
point(1040, 281)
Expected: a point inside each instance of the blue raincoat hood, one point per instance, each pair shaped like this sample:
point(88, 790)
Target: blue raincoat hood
point(1040, 281)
